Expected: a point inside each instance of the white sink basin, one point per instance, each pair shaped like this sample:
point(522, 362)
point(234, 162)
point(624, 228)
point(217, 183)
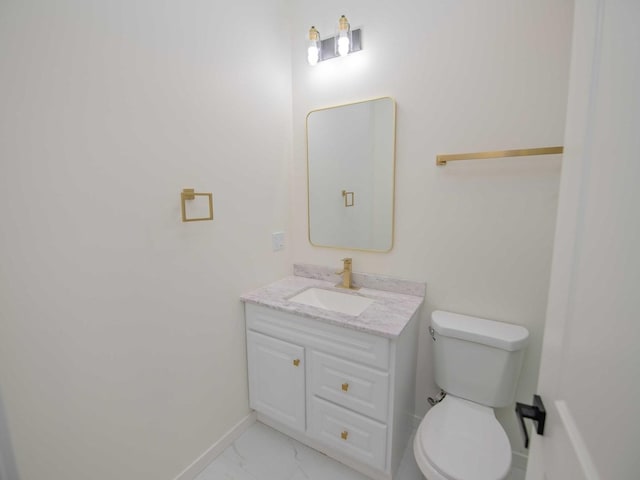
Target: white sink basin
point(334, 301)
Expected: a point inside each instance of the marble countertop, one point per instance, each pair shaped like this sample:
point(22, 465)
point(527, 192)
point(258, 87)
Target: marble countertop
point(386, 317)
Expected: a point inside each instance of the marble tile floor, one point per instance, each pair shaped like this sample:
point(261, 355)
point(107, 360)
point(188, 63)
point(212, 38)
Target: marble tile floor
point(262, 453)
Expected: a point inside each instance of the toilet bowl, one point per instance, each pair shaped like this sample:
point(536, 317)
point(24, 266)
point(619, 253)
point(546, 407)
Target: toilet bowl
point(462, 440)
point(477, 362)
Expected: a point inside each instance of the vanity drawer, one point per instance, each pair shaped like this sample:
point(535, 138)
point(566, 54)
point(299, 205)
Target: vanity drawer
point(360, 437)
point(349, 384)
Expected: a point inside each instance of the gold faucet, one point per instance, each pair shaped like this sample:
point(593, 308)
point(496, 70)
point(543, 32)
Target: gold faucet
point(346, 275)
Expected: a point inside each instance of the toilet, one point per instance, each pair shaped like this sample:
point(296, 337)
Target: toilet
point(477, 363)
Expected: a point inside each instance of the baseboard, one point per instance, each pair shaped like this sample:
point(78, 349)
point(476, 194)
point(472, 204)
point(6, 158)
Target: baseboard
point(200, 463)
point(519, 460)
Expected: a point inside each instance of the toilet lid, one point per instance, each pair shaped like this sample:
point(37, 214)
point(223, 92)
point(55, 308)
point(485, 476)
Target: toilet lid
point(463, 440)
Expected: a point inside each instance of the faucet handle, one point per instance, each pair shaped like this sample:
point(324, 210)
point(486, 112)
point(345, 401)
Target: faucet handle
point(346, 267)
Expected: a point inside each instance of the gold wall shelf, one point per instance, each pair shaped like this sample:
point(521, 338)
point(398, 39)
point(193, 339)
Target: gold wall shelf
point(523, 152)
point(189, 194)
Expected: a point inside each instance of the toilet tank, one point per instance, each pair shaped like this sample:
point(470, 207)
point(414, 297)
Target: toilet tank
point(477, 359)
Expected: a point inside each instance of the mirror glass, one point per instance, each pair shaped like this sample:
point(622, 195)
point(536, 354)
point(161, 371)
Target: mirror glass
point(351, 164)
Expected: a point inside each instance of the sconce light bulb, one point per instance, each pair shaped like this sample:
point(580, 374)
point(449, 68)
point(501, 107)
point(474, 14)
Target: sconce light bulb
point(343, 45)
point(313, 54)
point(344, 37)
point(313, 51)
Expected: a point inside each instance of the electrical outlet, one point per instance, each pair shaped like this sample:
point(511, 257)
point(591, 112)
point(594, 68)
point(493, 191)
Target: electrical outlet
point(277, 241)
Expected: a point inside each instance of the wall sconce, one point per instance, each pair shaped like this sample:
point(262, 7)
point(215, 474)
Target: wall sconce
point(344, 42)
point(313, 51)
point(343, 45)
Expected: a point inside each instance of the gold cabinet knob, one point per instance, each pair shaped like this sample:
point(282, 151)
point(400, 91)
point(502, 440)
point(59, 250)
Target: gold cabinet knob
point(296, 362)
point(345, 387)
point(344, 435)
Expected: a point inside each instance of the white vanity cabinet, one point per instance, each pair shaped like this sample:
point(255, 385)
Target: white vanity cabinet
point(277, 379)
point(347, 393)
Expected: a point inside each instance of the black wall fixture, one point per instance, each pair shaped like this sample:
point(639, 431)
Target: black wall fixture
point(535, 412)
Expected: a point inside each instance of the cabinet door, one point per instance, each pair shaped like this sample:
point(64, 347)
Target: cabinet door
point(276, 379)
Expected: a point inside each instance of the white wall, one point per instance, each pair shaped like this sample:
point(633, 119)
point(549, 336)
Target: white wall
point(121, 337)
point(122, 351)
point(467, 76)
point(8, 469)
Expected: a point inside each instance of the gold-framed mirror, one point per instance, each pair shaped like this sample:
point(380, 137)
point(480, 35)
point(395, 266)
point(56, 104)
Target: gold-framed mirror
point(351, 175)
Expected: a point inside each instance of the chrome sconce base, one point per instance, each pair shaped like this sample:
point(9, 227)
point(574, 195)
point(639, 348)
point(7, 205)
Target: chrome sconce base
point(328, 46)
point(345, 42)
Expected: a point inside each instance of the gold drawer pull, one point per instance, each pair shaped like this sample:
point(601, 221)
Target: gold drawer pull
point(345, 387)
point(296, 362)
point(344, 435)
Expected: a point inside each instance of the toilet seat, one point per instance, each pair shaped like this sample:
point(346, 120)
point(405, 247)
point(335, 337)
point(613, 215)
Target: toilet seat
point(462, 440)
